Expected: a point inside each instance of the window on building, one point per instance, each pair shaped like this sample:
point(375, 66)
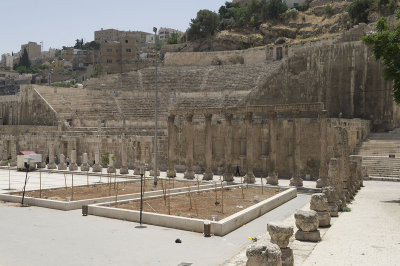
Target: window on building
point(109, 50)
point(109, 61)
point(126, 41)
point(128, 50)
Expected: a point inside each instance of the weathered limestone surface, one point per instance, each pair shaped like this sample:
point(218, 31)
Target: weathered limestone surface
point(51, 164)
point(73, 165)
point(97, 166)
point(62, 165)
point(267, 254)
point(287, 257)
point(249, 178)
point(323, 180)
point(319, 202)
point(324, 219)
point(111, 168)
point(280, 234)
point(331, 198)
point(189, 174)
point(273, 179)
point(306, 221)
point(313, 236)
point(85, 165)
point(208, 174)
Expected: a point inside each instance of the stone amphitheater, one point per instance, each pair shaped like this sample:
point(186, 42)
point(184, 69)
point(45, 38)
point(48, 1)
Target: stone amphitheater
point(263, 113)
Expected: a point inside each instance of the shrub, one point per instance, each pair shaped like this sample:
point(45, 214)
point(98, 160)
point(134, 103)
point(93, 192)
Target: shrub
point(329, 10)
point(358, 10)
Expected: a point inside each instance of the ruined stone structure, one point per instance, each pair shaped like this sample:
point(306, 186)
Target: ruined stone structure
point(271, 117)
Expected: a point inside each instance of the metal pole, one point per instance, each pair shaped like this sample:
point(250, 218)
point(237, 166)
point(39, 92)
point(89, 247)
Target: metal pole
point(156, 113)
point(141, 197)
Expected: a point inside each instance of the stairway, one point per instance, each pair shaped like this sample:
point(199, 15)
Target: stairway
point(375, 152)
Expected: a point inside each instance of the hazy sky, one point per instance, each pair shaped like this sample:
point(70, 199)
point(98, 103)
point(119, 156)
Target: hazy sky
point(59, 23)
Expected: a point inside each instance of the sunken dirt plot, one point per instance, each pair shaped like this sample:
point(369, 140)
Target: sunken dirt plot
point(102, 190)
point(204, 204)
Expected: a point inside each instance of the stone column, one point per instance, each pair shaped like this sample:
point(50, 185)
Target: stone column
point(171, 173)
point(42, 164)
point(323, 167)
point(4, 155)
point(51, 165)
point(73, 166)
point(296, 180)
point(249, 178)
point(272, 142)
point(124, 159)
point(228, 175)
point(14, 152)
point(85, 165)
point(111, 168)
point(319, 203)
point(189, 174)
point(97, 166)
point(280, 235)
point(62, 165)
point(208, 174)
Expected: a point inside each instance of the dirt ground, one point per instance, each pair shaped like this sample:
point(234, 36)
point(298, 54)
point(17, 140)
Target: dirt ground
point(205, 204)
point(103, 190)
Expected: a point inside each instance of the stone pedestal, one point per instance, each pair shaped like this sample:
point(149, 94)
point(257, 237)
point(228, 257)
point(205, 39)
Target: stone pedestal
point(307, 222)
point(124, 160)
point(208, 175)
point(51, 164)
point(273, 179)
point(42, 164)
point(319, 203)
point(97, 167)
point(280, 235)
point(73, 166)
point(62, 165)
point(265, 254)
point(249, 178)
point(111, 169)
point(333, 209)
point(171, 173)
point(136, 171)
point(85, 166)
point(322, 182)
point(124, 170)
point(152, 172)
point(296, 181)
point(287, 257)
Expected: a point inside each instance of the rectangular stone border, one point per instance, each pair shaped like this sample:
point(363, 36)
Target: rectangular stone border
point(219, 228)
point(73, 205)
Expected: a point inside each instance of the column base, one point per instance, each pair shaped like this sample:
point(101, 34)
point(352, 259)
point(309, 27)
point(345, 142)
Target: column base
point(273, 180)
point(97, 168)
point(296, 182)
point(228, 177)
point(13, 163)
point(322, 182)
point(85, 167)
point(62, 166)
point(313, 236)
point(171, 173)
point(124, 170)
point(52, 166)
point(287, 257)
point(111, 170)
point(208, 175)
point(333, 209)
point(324, 219)
point(249, 178)
point(41, 165)
point(73, 167)
point(189, 175)
point(136, 171)
point(152, 172)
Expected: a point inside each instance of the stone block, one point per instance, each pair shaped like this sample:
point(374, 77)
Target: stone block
point(287, 257)
point(296, 181)
point(306, 220)
point(124, 170)
point(152, 172)
point(208, 175)
point(171, 173)
point(273, 180)
point(62, 166)
point(280, 234)
point(189, 175)
point(329, 193)
point(73, 167)
point(85, 167)
point(227, 177)
point(97, 168)
point(263, 254)
point(52, 166)
point(313, 236)
point(333, 210)
point(136, 171)
point(319, 202)
point(249, 178)
point(322, 182)
point(324, 219)
point(111, 170)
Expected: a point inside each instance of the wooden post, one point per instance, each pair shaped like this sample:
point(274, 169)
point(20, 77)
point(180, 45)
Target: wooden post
point(87, 178)
point(222, 197)
point(215, 189)
point(65, 179)
point(164, 192)
point(262, 186)
point(169, 202)
point(115, 179)
point(241, 185)
point(173, 182)
point(40, 193)
point(116, 194)
point(190, 198)
point(72, 196)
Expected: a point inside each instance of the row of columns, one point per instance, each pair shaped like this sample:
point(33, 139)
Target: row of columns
point(208, 174)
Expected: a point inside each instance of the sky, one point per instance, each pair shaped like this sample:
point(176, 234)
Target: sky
point(59, 23)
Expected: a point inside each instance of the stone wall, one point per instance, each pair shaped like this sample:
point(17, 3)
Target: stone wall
point(344, 76)
point(249, 56)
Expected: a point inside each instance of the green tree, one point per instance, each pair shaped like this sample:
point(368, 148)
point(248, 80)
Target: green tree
point(358, 10)
point(204, 25)
point(24, 60)
point(78, 44)
point(275, 8)
point(173, 38)
point(385, 46)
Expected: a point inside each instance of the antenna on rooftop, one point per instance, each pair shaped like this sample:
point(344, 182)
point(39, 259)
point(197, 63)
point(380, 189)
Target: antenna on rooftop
point(41, 43)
